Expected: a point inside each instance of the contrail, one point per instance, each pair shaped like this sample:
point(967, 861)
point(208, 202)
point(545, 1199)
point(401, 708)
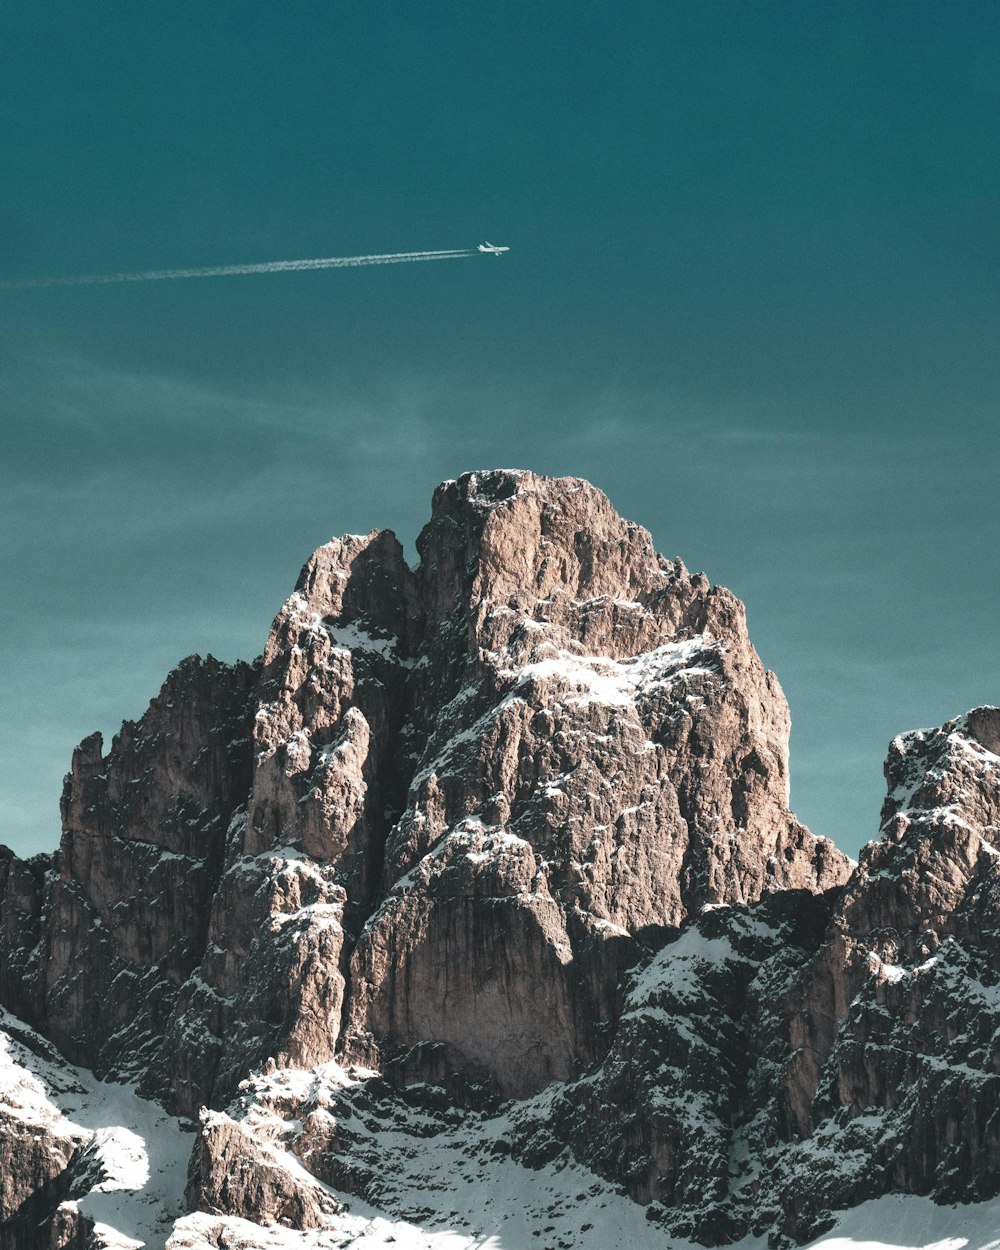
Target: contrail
point(230, 271)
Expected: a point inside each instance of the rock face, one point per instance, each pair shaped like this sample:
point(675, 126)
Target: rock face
point(99, 939)
point(595, 752)
point(894, 1024)
point(681, 1108)
point(770, 1064)
point(515, 824)
point(497, 771)
point(43, 1156)
point(681, 1114)
point(22, 949)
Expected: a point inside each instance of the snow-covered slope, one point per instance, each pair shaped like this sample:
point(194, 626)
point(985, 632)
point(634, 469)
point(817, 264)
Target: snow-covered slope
point(462, 1190)
point(441, 1179)
point(892, 1223)
point(130, 1159)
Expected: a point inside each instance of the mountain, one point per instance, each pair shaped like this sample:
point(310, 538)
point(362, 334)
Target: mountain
point(476, 907)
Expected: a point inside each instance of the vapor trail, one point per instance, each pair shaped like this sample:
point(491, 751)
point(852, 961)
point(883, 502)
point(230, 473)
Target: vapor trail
point(230, 271)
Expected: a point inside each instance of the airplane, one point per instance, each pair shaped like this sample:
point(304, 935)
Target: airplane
point(489, 247)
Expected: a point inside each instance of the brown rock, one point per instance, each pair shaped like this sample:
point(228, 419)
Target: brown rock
point(487, 775)
point(608, 757)
point(143, 831)
point(429, 832)
point(894, 1023)
point(475, 788)
point(234, 1173)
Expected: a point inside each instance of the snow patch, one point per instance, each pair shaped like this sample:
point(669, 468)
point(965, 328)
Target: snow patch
point(353, 638)
point(617, 683)
point(142, 1151)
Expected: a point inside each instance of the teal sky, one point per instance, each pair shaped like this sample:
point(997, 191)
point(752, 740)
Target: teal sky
point(752, 294)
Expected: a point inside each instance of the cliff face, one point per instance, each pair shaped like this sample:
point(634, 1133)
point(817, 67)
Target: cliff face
point(515, 817)
point(99, 938)
point(770, 1064)
point(581, 709)
point(894, 1024)
point(498, 771)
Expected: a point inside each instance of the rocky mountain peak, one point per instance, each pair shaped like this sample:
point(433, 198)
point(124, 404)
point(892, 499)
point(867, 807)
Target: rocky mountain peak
point(356, 578)
point(546, 742)
point(514, 825)
point(508, 533)
point(947, 770)
point(940, 820)
point(895, 1018)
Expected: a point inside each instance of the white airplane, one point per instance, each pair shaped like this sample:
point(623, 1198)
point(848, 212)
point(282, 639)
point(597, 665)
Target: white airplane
point(489, 247)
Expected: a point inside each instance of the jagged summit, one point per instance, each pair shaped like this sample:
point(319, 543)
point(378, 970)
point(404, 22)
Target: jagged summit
point(512, 722)
point(526, 533)
point(509, 824)
point(941, 770)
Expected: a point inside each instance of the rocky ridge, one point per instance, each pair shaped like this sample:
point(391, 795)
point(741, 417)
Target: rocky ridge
point(895, 1024)
point(515, 825)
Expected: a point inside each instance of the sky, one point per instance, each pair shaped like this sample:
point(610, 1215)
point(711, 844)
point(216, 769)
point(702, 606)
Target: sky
point(752, 294)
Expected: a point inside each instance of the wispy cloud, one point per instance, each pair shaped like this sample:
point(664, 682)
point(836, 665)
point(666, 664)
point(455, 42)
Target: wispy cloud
point(147, 514)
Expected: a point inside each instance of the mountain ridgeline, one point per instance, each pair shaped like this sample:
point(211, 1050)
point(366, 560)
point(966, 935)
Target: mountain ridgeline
point(498, 851)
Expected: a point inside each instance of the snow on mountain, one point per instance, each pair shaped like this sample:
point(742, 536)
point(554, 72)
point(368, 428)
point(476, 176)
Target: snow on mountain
point(442, 1179)
point(895, 1222)
point(471, 1196)
point(132, 1156)
point(474, 914)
